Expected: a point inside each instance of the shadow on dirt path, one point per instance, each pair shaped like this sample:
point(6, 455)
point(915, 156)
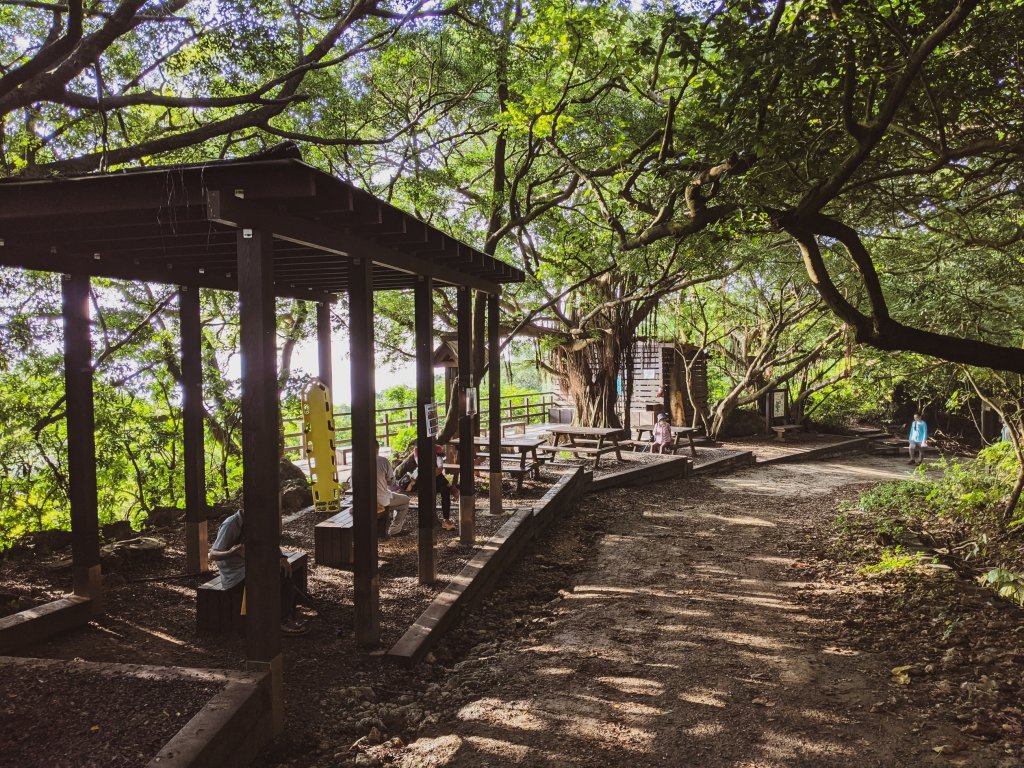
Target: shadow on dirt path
point(682, 640)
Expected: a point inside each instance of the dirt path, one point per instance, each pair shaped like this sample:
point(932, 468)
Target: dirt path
point(692, 636)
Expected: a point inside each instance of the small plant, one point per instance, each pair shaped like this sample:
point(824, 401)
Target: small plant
point(902, 499)
point(894, 559)
point(1005, 583)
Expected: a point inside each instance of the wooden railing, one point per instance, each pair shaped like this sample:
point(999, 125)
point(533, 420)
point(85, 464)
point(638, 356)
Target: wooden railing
point(529, 408)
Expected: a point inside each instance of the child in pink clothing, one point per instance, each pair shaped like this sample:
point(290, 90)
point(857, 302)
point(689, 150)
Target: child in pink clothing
point(662, 434)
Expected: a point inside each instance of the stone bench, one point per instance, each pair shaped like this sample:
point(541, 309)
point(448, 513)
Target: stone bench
point(219, 610)
point(785, 429)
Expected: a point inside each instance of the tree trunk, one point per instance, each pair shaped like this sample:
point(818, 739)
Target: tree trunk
point(591, 388)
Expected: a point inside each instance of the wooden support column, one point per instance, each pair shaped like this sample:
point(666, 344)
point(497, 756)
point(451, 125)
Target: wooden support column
point(467, 451)
point(261, 491)
point(323, 345)
point(425, 488)
point(81, 426)
point(196, 539)
point(365, 574)
point(494, 400)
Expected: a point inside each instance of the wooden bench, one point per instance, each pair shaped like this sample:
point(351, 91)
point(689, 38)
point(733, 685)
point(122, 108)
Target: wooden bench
point(512, 466)
point(589, 452)
point(785, 429)
point(219, 610)
point(333, 543)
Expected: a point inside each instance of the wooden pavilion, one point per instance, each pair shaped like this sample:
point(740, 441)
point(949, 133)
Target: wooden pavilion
point(268, 229)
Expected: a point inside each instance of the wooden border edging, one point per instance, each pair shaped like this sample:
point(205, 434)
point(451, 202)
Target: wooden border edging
point(825, 451)
point(670, 468)
point(226, 733)
point(36, 625)
point(479, 576)
point(743, 459)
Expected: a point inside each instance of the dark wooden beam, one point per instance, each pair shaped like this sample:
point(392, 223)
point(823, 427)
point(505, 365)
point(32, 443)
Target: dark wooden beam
point(153, 190)
point(323, 345)
point(365, 573)
point(494, 400)
point(260, 471)
point(227, 209)
point(81, 426)
point(467, 451)
point(424, 322)
point(196, 540)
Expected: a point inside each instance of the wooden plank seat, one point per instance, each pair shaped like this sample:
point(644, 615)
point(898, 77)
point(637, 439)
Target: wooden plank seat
point(512, 467)
point(585, 451)
point(219, 610)
point(783, 430)
point(333, 543)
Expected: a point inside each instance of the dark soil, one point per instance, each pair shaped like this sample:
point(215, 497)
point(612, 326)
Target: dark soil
point(67, 717)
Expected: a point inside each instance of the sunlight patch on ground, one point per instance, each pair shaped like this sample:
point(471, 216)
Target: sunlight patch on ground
point(745, 639)
point(797, 746)
point(706, 698)
point(635, 685)
point(156, 633)
point(768, 602)
point(737, 519)
point(499, 747)
point(594, 590)
point(555, 671)
point(509, 714)
point(433, 752)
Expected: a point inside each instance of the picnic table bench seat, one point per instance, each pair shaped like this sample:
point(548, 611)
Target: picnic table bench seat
point(219, 610)
point(511, 466)
point(589, 451)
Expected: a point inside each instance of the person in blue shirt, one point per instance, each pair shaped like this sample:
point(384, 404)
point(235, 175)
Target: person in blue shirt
point(918, 438)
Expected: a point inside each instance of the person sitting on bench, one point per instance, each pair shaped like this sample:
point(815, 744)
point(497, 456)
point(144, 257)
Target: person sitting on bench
point(441, 482)
point(228, 551)
point(662, 434)
point(395, 503)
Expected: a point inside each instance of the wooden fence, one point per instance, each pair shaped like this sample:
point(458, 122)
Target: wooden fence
point(525, 409)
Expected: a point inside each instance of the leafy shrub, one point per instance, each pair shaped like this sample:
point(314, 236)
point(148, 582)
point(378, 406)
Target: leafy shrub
point(402, 441)
point(904, 499)
point(1006, 584)
point(895, 559)
point(972, 490)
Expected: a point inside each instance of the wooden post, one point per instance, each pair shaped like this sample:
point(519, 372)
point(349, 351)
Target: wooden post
point(81, 425)
point(196, 539)
point(261, 491)
point(424, 319)
point(467, 477)
point(494, 400)
point(323, 345)
point(365, 574)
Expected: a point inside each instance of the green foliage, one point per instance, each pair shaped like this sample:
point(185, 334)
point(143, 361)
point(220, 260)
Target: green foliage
point(403, 441)
point(900, 499)
point(973, 490)
point(892, 560)
point(1005, 583)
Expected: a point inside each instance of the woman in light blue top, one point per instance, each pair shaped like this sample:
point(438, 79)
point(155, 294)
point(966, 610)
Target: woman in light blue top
point(918, 438)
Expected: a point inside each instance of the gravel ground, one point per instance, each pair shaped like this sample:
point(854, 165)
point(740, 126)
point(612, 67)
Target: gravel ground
point(73, 718)
point(710, 622)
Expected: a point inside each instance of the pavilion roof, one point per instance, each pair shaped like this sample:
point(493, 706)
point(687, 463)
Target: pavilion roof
point(179, 225)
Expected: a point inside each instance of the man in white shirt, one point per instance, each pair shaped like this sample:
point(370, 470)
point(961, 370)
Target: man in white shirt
point(397, 503)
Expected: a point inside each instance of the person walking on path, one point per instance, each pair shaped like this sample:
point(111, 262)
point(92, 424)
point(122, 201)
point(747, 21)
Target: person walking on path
point(918, 439)
point(396, 503)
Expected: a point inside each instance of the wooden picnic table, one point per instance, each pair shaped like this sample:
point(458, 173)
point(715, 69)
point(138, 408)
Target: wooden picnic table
point(518, 458)
point(592, 442)
point(678, 433)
